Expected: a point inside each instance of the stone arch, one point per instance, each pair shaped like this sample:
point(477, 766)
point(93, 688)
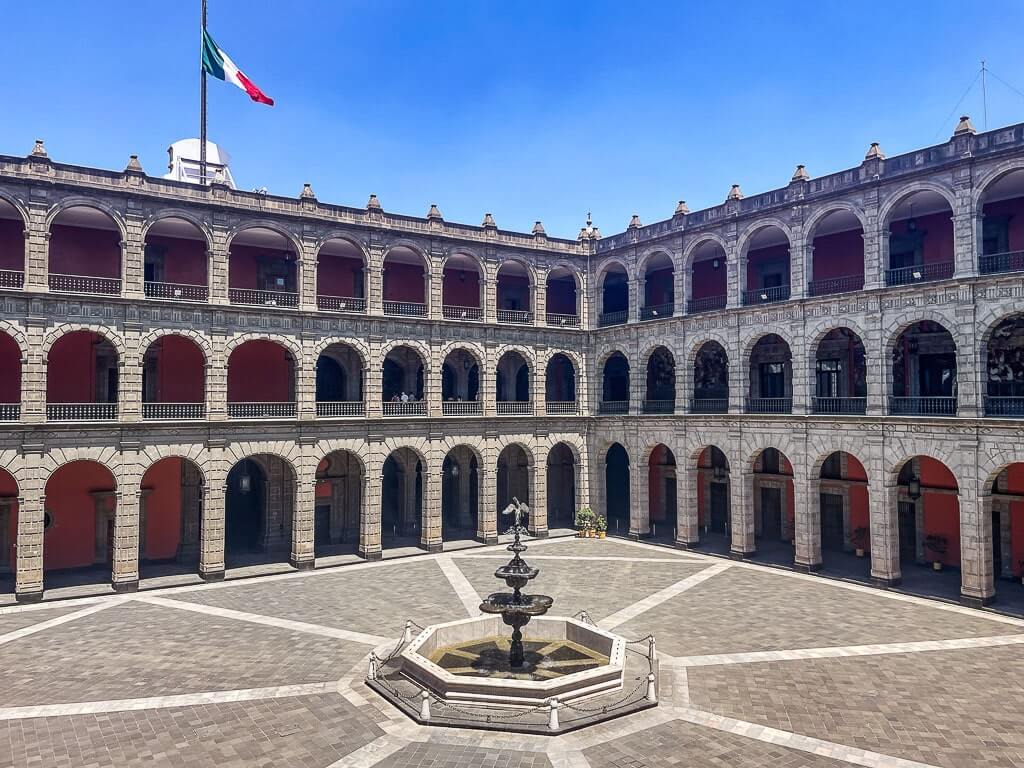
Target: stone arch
point(337, 234)
point(471, 348)
point(421, 349)
point(419, 447)
point(17, 335)
point(178, 213)
point(357, 345)
point(78, 201)
point(287, 452)
point(198, 338)
point(18, 206)
point(198, 455)
point(108, 333)
point(694, 347)
point(357, 448)
point(759, 333)
point(428, 264)
point(530, 271)
point(743, 241)
point(284, 341)
point(989, 176)
point(573, 270)
point(651, 252)
point(821, 213)
point(108, 457)
point(895, 328)
point(526, 352)
point(898, 195)
point(267, 224)
point(602, 269)
point(698, 240)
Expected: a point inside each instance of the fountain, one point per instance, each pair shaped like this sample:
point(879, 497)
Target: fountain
point(516, 609)
point(477, 676)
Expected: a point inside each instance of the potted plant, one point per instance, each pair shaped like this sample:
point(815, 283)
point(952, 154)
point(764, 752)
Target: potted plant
point(937, 545)
point(859, 540)
point(584, 521)
point(602, 528)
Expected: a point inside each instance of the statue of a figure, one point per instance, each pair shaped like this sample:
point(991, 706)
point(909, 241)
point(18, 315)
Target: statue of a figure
point(520, 512)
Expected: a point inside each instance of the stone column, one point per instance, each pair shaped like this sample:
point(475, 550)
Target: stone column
point(739, 374)
point(490, 289)
point(687, 509)
point(800, 378)
point(430, 533)
point(639, 509)
point(487, 509)
point(977, 587)
point(742, 508)
point(217, 381)
point(129, 379)
point(633, 292)
point(375, 280)
point(487, 393)
point(369, 507)
point(219, 270)
point(538, 523)
point(303, 555)
point(133, 258)
point(306, 268)
point(800, 266)
point(28, 568)
point(883, 500)
point(305, 382)
point(373, 387)
point(807, 521)
point(539, 388)
point(434, 291)
point(211, 549)
point(965, 249)
point(969, 362)
point(735, 281)
point(37, 247)
point(125, 576)
point(539, 298)
point(33, 374)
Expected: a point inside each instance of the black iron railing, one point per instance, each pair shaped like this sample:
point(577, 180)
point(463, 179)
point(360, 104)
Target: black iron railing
point(613, 318)
point(707, 304)
point(835, 285)
point(709, 405)
point(659, 406)
point(657, 311)
point(922, 406)
point(1004, 406)
point(769, 405)
point(765, 295)
point(613, 407)
point(847, 405)
point(922, 273)
point(1011, 261)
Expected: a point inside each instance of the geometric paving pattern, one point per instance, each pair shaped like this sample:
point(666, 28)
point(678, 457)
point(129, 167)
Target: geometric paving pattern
point(759, 667)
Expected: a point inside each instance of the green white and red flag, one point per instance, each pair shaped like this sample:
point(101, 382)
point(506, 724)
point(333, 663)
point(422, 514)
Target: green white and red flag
point(220, 65)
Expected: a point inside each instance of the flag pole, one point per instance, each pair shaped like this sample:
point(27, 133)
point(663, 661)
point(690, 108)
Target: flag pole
point(202, 101)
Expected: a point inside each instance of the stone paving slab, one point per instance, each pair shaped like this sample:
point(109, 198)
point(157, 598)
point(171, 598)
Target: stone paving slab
point(600, 548)
point(427, 755)
point(375, 600)
point(677, 744)
point(138, 650)
point(598, 588)
point(302, 731)
point(947, 708)
point(21, 619)
point(744, 609)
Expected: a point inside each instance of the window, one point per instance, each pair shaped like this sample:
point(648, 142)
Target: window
point(995, 235)
point(829, 373)
point(153, 263)
point(770, 461)
point(773, 380)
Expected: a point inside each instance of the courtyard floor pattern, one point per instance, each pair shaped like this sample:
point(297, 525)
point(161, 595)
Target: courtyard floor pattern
point(758, 668)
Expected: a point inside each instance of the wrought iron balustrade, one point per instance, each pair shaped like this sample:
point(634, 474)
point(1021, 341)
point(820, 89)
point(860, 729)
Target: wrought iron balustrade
point(561, 407)
point(285, 299)
point(341, 303)
point(613, 407)
point(107, 286)
point(339, 408)
point(174, 411)
point(659, 406)
point(514, 407)
point(81, 411)
point(1011, 261)
point(405, 308)
point(176, 291)
point(709, 405)
point(565, 321)
point(1004, 406)
point(922, 406)
point(765, 295)
point(261, 410)
point(612, 318)
point(922, 273)
point(657, 311)
point(519, 316)
point(835, 285)
point(462, 408)
point(418, 408)
point(840, 405)
point(707, 304)
point(462, 313)
point(10, 278)
point(769, 405)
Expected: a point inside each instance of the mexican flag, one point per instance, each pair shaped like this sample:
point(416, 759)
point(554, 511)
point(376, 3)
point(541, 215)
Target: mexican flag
point(220, 65)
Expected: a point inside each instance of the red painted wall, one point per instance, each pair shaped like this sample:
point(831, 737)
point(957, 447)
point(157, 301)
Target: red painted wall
point(71, 539)
point(181, 370)
point(339, 276)
point(184, 260)
point(561, 297)
point(938, 241)
point(756, 258)
point(941, 510)
point(243, 269)
point(12, 245)
point(71, 369)
point(838, 255)
point(403, 282)
point(259, 372)
point(1015, 484)
point(162, 485)
point(80, 251)
point(709, 282)
point(858, 494)
point(9, 488)
point(460, 288)
point(658, 288)
point(1014, 208)
point(10, 370)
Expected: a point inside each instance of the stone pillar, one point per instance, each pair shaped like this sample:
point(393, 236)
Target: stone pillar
point(801, 264)
point(463, 490)
point(373, 381)
point(430, 533)
point(305, 382)
point(977, 587)
point(539, 298)
point(875, 250)
point(687, 510)
point(633, 292)
point(487, 510)
point(37, 247)
point(303, 554)
point(369, 506)
point(133, 257)
point(220, 259)
point(488, 393)
point(639, 509)
point(434, 288)
point(742, 509)
point(307, 273)
point(965, 227)
point(969, 361)
point(735, 281)
point(807, 521)
point(375, 279)
point(539, 382)
point(800, 381)
point(538, 522)
point(28, 568)
point(883, 508)
point(125, 576)
point(490, 289)
point(33, 374)
point(129, 379)
point(739, 374)
point(211, 549)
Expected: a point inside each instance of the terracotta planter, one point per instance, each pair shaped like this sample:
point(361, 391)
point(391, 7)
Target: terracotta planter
point(602, 534)
point(860, 552)
point(936, 566)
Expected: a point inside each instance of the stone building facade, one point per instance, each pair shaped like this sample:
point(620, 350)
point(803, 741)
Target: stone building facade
point(854, 401)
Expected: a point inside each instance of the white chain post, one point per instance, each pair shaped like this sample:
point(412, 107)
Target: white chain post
point(653, 651)
point(553, 715)
point(652, 695)
point(371, 673)
point(424, 706)
point(407, 637)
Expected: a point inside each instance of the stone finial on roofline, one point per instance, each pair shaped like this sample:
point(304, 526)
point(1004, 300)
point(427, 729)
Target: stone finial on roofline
point(134, 166)
point(875, 152)
point(307, 192)
point(634, 223)
point(373, 204)
point(735, 193)
point(489, 222)
point(682, 209)
point(434, 214)
point(39, 150)
point(964, 126)
point(538, 229)
point(800, 174)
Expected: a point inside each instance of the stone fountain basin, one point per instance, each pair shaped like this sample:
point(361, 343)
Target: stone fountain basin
point(417, 666)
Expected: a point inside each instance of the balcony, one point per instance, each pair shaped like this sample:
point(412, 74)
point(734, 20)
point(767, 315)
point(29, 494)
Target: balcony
point(173, 411)
point(10, 411)
point(516, 316)
point(341, 304)
point(835, 285)
point(708, 304)
point(765, 295)
point(564, 321)
point(462, 408)
point(709, 405)
point(9, 278)
point(657, 311)
point(561, 407)
point(261, 410)
point(514, 408)
point(462, 313)
point(613, 407)
point(659, 406)
point(922, 406)
point(854, 406)
point(922, 273)
point(769, 405)
point(336, 409)
point(176, 291)
point(1012, 407)
point(285, 299)
point(992, 264)
point(106, 286)
point(612, 318)
point(405, 309)
point(81, 411)
point(404, 409)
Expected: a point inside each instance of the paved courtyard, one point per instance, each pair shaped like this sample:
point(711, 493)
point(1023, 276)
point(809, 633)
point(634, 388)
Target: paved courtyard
point(759, 667)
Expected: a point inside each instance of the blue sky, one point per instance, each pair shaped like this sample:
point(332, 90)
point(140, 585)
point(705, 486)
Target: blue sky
point(528, 110)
